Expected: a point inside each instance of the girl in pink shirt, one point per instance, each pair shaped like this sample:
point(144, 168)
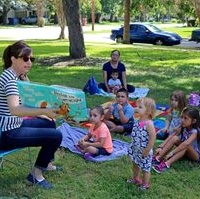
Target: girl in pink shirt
point(98, 140)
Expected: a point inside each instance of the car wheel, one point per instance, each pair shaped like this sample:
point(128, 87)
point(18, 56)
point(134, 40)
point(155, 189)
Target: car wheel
point(119, 39)
point(131, 41)
point(159, 42)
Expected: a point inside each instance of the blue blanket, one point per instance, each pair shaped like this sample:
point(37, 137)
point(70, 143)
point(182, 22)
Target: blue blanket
point(71, 135)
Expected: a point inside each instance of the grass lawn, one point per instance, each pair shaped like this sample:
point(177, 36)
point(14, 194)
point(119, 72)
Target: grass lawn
point(184, 32)
point(162, 69)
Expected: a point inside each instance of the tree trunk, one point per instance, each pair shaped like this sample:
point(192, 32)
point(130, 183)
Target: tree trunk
point(76, 40)
point(61, 17)
point(4, 14)
point(197, 9)
point(126, 33)
point(40, 13)
point(111, 17)
point(93, 14)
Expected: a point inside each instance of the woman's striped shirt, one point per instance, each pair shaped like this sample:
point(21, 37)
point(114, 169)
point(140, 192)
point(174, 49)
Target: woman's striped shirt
point(8, 86)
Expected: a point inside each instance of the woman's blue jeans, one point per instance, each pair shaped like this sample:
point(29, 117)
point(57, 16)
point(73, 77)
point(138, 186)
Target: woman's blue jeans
point(32, 133)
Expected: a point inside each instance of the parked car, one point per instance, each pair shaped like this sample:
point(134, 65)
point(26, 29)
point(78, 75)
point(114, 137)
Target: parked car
point(195, 36)
point(32, 19)
point(146, 33)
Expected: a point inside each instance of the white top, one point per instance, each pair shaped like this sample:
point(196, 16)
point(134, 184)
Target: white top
point(116, 82)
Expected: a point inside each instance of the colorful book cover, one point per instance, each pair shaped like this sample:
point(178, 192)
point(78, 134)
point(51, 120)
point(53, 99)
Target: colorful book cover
point(70, 102)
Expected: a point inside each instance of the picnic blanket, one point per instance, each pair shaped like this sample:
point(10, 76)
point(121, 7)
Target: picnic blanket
point(139, 92)
point(91, 87)
point(162, 111)
point(71, 135)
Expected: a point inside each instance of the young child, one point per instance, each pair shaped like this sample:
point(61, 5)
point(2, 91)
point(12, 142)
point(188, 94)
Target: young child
point(185, 139)
point(114, 83)
point(119, 115)
point(143, 138)
point(173, 122)
point(98, 141)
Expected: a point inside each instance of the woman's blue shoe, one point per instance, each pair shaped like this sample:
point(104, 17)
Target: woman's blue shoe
point(43, 184)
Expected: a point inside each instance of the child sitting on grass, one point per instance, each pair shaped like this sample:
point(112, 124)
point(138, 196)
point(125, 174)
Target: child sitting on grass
point(186, 140)
point(98, 140)
point(119, 115)
point(173, 122)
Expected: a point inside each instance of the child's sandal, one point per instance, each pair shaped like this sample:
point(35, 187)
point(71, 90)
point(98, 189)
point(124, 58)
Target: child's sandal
point(144, 186)
point(136, 181)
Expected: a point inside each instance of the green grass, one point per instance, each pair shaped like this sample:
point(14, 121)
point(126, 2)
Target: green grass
point(184, 32)
point(162, 69)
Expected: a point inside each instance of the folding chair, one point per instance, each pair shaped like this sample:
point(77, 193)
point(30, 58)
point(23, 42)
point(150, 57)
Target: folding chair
point(4, 153)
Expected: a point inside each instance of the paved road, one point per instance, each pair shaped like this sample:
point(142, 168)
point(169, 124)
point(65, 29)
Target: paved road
point(52, 32)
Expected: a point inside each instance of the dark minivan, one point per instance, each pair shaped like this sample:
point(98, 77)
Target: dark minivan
point(195, 35)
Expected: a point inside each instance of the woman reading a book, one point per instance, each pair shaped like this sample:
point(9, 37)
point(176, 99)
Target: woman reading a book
point(17, 132)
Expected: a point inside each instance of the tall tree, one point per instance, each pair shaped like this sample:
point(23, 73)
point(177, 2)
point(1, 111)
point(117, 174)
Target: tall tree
point(126, 33)
point(61, 17)
point(184, 10)
point(76, 40)
point(40, 13)
point(112, 7)
point(85, 9)
point(196, 4)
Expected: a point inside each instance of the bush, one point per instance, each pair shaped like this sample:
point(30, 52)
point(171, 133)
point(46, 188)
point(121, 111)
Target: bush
point(174, 20)
point(179, 21)
point(41, 22)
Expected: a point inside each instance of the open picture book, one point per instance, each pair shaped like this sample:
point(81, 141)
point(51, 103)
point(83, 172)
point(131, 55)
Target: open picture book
point(70, 102)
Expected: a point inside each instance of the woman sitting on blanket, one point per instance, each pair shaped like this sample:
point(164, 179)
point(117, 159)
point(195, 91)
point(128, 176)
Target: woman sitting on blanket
point(119, 115)
point(98, 140)
point(107, 69)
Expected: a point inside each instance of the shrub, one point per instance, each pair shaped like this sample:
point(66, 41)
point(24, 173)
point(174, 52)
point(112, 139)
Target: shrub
point(41, 22)
point(173, 20)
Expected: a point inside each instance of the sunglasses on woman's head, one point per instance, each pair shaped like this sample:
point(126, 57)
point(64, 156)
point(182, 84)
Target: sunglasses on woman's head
point(25, 59)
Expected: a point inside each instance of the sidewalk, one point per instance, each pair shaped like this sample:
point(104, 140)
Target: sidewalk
point(33, 32)
point(47, 32)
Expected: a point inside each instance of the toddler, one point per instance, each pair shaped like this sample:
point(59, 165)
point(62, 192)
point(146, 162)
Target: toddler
point(114, 83)
point(143, 138)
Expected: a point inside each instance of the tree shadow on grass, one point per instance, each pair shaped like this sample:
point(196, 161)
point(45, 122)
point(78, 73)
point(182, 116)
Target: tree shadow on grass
point(68, 61)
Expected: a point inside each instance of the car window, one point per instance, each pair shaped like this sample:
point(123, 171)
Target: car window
point(153, 28)
point(142, 29)
point(133, 27)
